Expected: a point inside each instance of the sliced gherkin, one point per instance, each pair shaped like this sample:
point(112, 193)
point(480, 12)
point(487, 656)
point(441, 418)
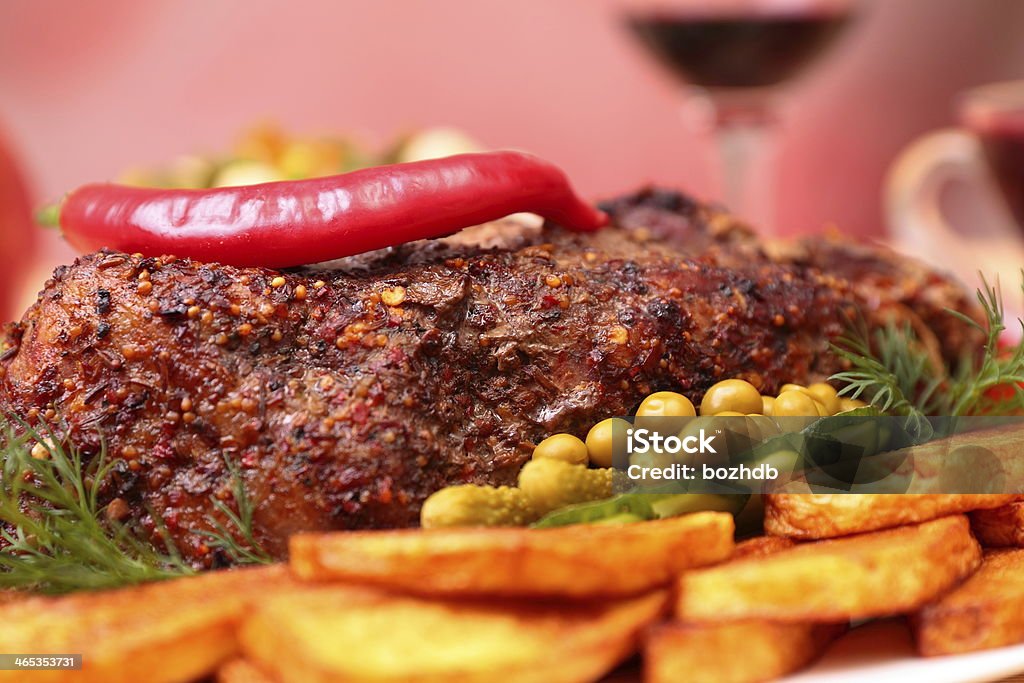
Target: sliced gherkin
point(473, 505)
point(552, 484)
point(544, 485)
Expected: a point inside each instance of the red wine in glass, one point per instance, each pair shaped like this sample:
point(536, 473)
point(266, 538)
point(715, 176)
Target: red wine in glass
point(736, 54)
point(1002, 139)
point(735, 50)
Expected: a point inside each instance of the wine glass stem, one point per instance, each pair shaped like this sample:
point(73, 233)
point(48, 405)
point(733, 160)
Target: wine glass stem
point(747, 188)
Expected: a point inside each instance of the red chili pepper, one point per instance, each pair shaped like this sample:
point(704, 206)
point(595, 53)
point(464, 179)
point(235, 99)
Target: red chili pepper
point(298, 222)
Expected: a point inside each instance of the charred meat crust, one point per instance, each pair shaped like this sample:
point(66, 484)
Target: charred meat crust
point(348, 396)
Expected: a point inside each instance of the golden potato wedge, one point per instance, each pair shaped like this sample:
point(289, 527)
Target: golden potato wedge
point(338, 634)
point(932, 479)
point(760, 546)
point(1000, 527)
point(709, 652)
point(815, 516)
point(881, 573)
point(243, 671)
point(986, 611)
point(733, 652)
point(578, 561)
point(164, 632)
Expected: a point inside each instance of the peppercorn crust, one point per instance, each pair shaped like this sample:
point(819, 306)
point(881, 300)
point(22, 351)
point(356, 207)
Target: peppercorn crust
point(348, 395)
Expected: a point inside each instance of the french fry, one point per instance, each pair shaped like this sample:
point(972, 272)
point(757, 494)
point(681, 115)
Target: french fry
point(333, 634)
point(167, 632)
point(708, 652)
point(734, 652)
point(760, 546)
point(923, 474)
point(986, 611)
point(869, 575)
point(575, 561)
point(815, 516)
point(1000, 527)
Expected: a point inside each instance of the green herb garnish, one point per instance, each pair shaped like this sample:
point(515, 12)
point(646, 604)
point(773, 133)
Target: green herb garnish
point(249, 551)
point(969, 388)
point(57, 533)
point(890, 369)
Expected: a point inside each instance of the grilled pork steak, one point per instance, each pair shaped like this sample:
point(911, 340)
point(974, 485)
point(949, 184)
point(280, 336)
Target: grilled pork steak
point(348, 396)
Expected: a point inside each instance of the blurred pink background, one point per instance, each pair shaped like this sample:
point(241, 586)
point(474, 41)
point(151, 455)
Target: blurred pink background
point(88, 89)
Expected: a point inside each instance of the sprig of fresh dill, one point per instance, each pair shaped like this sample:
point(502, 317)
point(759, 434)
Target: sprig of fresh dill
point(58, 537)
point(970, 387)
point(56, 533)
point(889, 368)
point(249, 551)
point(886, 370)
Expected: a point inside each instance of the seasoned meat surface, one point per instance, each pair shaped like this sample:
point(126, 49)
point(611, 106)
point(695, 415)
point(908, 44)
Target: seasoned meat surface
point(892, 286)
point(348, 395)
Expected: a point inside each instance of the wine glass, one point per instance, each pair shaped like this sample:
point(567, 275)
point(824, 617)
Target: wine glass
point(955, 197)
point(736, 56)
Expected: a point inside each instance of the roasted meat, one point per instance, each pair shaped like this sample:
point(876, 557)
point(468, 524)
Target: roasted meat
point(347, 395)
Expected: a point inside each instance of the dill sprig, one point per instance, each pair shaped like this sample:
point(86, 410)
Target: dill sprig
point(58, 537)
point(56, 533)
point(886, 370)
point(248, 551)
point(890, 368)
point(970, 386)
